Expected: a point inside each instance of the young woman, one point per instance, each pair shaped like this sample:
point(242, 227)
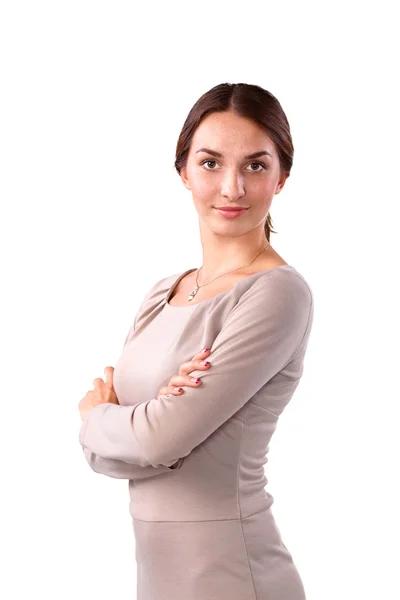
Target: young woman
point(194, 451)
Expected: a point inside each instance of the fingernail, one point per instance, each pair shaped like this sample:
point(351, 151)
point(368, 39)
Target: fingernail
point(178, 389)
point(205, 350)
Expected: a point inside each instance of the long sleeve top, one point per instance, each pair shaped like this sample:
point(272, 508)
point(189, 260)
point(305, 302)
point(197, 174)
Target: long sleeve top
point(196, 462)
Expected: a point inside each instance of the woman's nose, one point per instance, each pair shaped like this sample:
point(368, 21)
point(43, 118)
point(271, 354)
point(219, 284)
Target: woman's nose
point(233, 184)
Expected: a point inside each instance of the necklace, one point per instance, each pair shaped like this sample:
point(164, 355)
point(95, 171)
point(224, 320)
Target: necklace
point(196, 289)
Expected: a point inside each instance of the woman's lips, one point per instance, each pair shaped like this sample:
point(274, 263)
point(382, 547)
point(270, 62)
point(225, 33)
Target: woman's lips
point(230, 214)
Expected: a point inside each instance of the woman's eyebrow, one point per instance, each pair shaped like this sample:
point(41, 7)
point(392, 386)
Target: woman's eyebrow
point(219, 155)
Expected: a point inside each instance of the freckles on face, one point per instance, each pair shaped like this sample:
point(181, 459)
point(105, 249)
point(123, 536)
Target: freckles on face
point(233, 173)
point(205, 188)
point(218, 186)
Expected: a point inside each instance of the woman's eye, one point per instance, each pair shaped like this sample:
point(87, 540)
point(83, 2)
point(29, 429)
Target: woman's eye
point(264, 168)
point(208, 161)
point(261, 165)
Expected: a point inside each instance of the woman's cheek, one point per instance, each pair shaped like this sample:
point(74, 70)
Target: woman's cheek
point(204, 185)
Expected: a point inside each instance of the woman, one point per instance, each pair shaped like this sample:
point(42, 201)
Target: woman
point(195, 458)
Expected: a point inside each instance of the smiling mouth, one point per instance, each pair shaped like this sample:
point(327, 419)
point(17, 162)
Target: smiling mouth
point(230, 213)
point(231, 208)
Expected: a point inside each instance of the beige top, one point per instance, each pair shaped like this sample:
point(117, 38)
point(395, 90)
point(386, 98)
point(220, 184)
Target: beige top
point(202, 517)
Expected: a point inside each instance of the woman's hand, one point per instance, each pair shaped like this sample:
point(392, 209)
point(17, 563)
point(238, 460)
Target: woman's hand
point(103, 392)
point(198, 362)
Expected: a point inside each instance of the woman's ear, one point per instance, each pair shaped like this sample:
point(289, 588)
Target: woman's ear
point(281, 183)
point(184, 178)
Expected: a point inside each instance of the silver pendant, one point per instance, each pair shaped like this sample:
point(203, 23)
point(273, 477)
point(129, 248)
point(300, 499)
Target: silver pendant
point(192, 295)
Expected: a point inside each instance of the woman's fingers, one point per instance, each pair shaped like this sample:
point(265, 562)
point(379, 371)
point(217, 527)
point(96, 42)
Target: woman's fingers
point(195, 363)
point(177, 381)
point(109, 375)
point(183, 378)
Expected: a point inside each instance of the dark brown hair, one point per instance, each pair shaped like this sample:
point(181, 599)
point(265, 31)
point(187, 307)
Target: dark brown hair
point(250, 101)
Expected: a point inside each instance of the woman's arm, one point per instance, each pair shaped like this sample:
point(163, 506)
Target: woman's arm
point(119, 469)
point(263, 333)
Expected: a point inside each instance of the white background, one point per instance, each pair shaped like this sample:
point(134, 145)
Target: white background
point(93, 97)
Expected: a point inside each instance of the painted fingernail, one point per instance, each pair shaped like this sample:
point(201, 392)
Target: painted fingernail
point(205, 350)
point(195, 379)
point(178, 389)
point(206, 364)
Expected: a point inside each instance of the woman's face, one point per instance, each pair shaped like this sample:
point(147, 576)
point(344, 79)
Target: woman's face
point(232, 179)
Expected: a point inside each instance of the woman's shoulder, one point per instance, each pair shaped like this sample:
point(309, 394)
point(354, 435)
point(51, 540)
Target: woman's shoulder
point(282, 281)
point(285, 277)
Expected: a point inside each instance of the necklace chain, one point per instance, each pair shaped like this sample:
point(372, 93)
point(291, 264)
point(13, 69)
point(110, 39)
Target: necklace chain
point(196, 289)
